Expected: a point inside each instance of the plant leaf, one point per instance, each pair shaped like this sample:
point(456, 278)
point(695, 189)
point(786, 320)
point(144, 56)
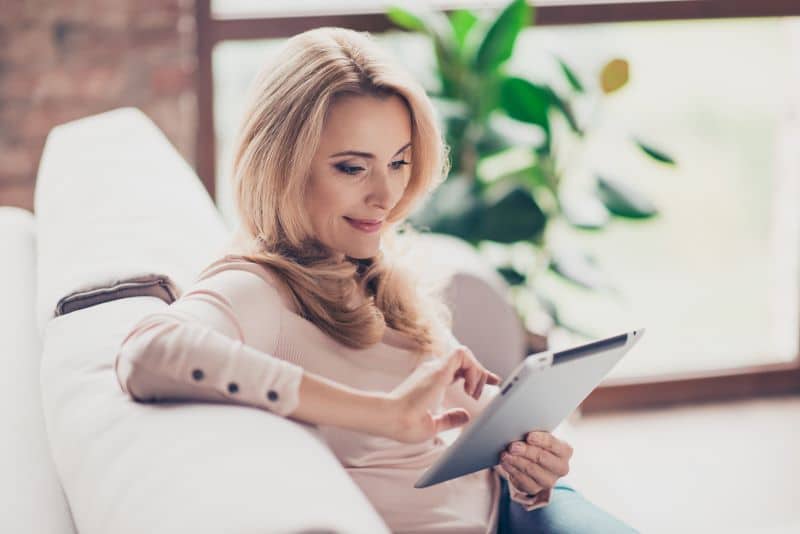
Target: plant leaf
point(566, 110)
point(422, 18)
point(498, 43)
point(526, 101)
point(529, 102)
point(578, 268)
point(655, 153)
point(510, 161)
point(584, 210)
point(462, 21)
point(516, 132)
point(623, 199)
point(512, 276)
point(571, 77)
point(405, 19)
point(511, 215)
point(614, 75)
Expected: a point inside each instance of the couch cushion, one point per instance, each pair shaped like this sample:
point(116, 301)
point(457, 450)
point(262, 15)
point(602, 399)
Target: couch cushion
point(30, 491)
point(114, 201)
point(171, 467)
point(484, 318)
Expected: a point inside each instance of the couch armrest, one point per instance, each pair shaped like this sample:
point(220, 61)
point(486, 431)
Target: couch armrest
point(132, 467)
point(29, 487)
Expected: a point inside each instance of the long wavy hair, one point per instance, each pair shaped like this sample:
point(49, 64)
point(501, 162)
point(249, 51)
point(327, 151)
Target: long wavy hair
point(279, 136)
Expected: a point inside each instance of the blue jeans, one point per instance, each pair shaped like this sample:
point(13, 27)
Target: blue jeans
point(569, 512)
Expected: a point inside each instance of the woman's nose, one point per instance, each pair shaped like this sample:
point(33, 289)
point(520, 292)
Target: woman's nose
point(383, 192)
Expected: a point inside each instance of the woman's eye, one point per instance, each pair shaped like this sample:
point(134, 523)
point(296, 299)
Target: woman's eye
point(399, 164)
point(347, 169)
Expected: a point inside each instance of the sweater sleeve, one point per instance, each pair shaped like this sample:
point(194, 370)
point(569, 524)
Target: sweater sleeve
point(214, 343)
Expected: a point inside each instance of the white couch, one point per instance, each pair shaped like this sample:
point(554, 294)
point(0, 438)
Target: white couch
point(115, 202)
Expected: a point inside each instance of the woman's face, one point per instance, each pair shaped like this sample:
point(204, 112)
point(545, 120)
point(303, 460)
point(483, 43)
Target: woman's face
point(359, 172)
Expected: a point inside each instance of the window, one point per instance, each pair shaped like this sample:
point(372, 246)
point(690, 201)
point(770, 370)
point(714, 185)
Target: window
point(716, 277)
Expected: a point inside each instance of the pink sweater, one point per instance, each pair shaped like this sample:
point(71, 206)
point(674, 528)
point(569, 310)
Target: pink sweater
point(234, 337)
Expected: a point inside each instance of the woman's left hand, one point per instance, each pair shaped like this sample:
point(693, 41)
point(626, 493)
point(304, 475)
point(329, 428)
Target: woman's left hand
point(538, 462)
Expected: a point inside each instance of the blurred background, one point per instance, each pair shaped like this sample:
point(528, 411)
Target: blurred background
point(623, 164)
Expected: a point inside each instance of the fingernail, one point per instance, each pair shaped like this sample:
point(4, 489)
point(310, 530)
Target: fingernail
point(516, 447)
point(504, 456)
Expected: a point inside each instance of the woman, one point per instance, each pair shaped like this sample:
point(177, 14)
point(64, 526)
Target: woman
point(312, 314)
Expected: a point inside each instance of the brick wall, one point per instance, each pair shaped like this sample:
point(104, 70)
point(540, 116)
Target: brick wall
point(64, 60)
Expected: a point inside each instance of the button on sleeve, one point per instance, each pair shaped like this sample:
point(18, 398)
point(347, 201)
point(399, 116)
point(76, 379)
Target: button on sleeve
point(275, 387)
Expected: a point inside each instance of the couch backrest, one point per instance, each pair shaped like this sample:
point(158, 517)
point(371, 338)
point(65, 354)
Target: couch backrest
point(115, 200)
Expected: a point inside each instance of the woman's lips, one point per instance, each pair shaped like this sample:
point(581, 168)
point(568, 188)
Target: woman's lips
point(365, 225)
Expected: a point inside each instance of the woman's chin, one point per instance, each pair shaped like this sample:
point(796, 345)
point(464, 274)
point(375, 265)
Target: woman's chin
point(363, 252)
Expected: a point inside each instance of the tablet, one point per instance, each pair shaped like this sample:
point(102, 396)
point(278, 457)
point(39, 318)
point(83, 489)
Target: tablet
point(538, 394)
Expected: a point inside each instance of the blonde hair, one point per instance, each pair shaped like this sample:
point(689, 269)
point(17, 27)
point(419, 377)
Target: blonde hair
point(279, 136)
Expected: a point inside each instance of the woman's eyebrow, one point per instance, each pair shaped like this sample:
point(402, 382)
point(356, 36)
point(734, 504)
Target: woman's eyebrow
point(366, 154)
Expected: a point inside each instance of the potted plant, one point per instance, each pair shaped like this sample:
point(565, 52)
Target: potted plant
point(504, 132)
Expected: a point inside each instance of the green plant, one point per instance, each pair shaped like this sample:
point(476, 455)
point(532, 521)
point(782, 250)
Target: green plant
point(503, 131)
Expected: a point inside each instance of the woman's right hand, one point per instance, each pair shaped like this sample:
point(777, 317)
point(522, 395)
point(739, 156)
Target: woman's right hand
point(411, 420)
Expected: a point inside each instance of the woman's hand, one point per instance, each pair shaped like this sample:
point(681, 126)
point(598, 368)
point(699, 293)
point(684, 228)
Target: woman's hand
point(536, 463)
point(411, 420)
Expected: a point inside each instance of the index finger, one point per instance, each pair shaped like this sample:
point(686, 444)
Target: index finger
point(548, 441)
